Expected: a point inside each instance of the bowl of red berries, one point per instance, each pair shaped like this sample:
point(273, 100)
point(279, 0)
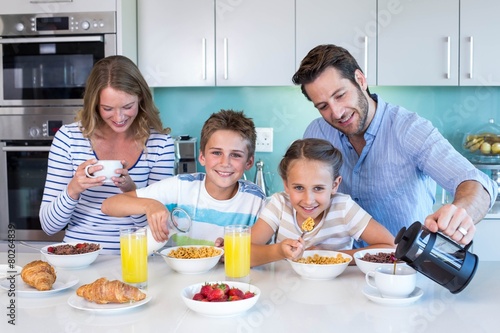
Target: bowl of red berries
point(71, 255)
point(220, 299)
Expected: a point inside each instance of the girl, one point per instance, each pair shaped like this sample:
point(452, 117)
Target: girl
point(310, 173)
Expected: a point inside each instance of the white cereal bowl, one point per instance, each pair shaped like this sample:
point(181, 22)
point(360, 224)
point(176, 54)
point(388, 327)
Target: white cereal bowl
point(220, 309)
point(367, 266)
point(191, 266)
point(317, 271)
point(69, 261)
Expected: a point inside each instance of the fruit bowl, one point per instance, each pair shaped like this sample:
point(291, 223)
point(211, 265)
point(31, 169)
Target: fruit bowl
point(314, 271)
point(191, 265)
point(220, 309)
point(70, 261)
point(367, 266)
point(483, 143)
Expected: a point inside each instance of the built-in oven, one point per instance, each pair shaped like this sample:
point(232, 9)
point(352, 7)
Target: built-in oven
point(46, 58)
point(25, 138)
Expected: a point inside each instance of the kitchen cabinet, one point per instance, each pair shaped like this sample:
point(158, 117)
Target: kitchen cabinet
point(350, 24)
point(418, 42)
point(438, 43)
point(176, 45)
point(221, 42)
point(485, 240)
point(479, 43)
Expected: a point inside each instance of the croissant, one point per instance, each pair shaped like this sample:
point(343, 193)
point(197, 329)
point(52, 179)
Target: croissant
point(39, 274)
point(103, 291)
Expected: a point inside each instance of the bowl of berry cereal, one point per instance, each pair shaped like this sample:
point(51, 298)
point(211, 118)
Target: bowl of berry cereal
point(321, 264)
point(71, 255)
point(369, 259)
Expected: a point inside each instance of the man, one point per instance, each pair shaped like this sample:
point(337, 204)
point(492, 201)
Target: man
point(392, 157)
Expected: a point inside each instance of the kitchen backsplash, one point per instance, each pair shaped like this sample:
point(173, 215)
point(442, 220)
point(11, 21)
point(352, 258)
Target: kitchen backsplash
point(453, 110)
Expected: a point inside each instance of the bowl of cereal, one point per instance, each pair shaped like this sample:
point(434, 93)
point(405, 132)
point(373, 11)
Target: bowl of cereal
point(192, 259)
point(369, 259)
point(71, 255)
point(321, 264)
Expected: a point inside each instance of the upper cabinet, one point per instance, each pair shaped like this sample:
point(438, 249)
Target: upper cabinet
point(350, 24)
point(221, 42)
point(479, 43)
point(261, 43)
point(418, 42)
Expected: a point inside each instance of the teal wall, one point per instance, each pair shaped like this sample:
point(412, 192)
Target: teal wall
point(453, 110)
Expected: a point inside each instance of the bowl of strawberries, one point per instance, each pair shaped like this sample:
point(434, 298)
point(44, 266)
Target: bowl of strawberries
point(220, 299)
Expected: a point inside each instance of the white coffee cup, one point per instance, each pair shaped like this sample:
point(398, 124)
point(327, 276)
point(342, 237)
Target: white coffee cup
point(399, 285)
point(108, 169)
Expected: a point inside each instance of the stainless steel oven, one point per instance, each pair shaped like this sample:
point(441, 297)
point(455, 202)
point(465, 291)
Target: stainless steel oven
point(25, 138)
point(46, 58)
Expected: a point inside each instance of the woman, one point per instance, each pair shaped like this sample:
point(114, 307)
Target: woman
point(119, 121)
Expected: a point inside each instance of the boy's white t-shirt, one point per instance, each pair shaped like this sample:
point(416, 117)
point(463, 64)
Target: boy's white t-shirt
point(343, 222)
point(209, 216)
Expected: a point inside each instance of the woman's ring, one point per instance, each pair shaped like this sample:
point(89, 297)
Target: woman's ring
point(462, 230)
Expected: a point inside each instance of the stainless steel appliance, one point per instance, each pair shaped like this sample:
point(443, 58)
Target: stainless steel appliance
point(185, 155)
point(46, 58)
point(47, 49)
point(25, 138)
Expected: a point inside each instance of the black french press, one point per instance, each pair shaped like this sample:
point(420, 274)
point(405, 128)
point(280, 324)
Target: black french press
point(436, 256)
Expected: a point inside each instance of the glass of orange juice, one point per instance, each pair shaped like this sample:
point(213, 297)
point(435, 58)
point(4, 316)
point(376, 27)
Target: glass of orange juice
point(134, 255)
point(237, 252)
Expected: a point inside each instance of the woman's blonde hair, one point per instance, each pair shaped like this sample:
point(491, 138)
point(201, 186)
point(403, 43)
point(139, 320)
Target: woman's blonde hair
point(120, 73)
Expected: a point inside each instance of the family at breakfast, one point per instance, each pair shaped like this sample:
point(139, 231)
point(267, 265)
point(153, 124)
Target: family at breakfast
point(118, 121)
point(338, 177)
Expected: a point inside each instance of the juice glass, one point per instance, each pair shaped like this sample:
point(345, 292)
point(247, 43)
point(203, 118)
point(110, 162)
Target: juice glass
point(134, 255)
point(237, 252)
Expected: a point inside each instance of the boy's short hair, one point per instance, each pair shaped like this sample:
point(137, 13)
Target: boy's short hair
point(230, 120)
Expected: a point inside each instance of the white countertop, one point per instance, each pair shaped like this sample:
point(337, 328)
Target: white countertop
point(287, 304)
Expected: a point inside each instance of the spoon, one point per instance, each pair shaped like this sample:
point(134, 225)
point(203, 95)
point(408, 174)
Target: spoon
point(307, 225)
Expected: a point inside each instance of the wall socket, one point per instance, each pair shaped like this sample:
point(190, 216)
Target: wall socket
point(264, 139)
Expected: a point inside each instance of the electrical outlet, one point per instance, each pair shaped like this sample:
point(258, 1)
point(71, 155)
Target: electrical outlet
point(264, 139)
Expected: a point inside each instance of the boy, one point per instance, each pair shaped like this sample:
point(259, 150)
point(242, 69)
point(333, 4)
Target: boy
point(213, 199)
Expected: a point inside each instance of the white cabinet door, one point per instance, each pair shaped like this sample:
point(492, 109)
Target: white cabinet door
point(479, 42)
point(485, 242)
point(350, 24)
point(255, 42)
point(177, 42)
point(418, 42)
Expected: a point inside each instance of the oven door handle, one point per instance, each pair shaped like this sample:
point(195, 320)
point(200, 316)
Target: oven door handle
point(36, 148)
point(51, 40)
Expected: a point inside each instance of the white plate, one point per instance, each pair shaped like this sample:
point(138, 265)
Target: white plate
point(81, 303)
point(8, 270)
point(63, 282)
point(374, 295)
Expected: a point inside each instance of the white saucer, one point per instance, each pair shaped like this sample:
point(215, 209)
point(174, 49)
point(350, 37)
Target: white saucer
point(374, 295)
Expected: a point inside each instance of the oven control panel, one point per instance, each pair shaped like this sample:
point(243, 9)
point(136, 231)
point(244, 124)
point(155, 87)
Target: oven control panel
point(30, 127)
point(58, 24)
point(48, 129)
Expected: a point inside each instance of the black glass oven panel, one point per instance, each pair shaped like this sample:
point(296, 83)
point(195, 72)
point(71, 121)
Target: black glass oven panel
point(26, 172)
point(45, 71)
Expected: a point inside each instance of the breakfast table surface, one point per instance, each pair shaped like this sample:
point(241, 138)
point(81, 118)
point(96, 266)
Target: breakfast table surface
point(288, 303)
